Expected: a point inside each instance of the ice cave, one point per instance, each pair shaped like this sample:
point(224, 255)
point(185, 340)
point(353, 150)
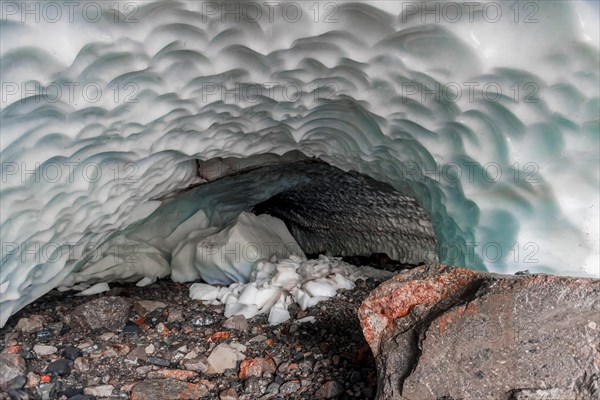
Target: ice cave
point(249, 146)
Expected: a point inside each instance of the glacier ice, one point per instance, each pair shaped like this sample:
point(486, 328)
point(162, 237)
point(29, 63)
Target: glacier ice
point(508, 183)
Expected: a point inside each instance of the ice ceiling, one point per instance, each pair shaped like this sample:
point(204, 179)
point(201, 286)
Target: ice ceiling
point(486, 114)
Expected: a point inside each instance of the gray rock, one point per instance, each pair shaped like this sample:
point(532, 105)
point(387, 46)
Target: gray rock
point(198, 364)
point(106, 312)
point(158, 361)
point(236, 322)
point(273, 388)
point(440, 332)
point(82, 364)
point(224, 357)
point(290, 387)
point(12, 367)
point(60, 367)
point(136, 355)
point(17, 394)
point(143, 371)
point(72, 353)
point(329, 390)
point(82, 397)
point(144, 307)
point(47, 390)
point(29, 325)
point(228, 394)
point(99, 391)
point(43, 350)
point(175, 315)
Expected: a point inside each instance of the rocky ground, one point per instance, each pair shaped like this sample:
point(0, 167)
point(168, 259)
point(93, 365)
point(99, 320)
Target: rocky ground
point(156, 343)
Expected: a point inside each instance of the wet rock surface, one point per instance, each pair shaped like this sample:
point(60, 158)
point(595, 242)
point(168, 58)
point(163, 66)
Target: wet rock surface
point(168, 354)
point(449, 333)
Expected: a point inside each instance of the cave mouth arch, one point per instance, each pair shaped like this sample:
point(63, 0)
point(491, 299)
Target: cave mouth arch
point(327, 211)
point(331, 211)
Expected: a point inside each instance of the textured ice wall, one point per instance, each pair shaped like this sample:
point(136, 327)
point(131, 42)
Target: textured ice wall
point(200, 233)
point(363, 70)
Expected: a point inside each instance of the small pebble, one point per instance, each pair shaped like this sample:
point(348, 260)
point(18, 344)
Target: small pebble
point(60, 367)
point(158, 361)
point(228, 394)
point(203, 321)
point(43, 350)
point(290, 387)
point(131, 327)
point(71, 353)
point(273, 388)
point(99, 391)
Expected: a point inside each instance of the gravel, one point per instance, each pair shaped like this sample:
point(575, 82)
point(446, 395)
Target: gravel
point(124, 342)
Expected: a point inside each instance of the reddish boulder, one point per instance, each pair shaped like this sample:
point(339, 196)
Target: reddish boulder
point(442, 332)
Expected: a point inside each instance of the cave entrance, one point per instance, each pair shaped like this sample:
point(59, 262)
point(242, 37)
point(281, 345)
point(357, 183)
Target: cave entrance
point(335, 212)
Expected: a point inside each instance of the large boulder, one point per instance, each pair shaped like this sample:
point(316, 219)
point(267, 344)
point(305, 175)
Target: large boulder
point(448, 333)
point(110, 312)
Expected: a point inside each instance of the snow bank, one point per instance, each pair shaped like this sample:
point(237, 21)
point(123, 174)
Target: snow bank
point(229, 255)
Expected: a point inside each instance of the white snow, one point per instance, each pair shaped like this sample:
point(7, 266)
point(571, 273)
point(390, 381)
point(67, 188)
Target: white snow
point(95, 289)
point(203, 291)
point(274, 286)
point(229, 254)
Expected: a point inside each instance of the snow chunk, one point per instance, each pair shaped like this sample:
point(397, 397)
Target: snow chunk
point(274, 286)
point(319, 288)
point(202, 291)
point(97, 288)
point(278, 315)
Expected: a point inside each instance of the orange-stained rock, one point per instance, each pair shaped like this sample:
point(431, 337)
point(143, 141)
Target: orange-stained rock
point(178, 374)
point(155, 389)
point(395, 298)
point(13, 349)
point(219, 336)
point(258, 367)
